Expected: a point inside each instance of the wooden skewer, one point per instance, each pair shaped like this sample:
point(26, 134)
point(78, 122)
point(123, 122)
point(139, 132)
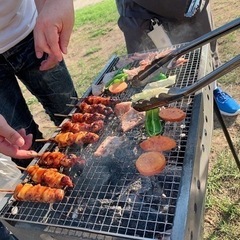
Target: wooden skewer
point(74, 98)
point(52, 127)
point(21, 168)
point(61, 115)
point(70, 105)
point(7, 190)
point(42, 140)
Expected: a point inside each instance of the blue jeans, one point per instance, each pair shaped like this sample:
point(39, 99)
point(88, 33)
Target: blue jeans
point(5, 234)
point(53, 88)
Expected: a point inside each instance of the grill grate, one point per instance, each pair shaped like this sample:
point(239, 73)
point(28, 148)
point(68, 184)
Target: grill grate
point(109, 195)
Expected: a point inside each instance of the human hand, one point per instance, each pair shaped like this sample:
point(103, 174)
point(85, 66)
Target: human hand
point(15, 143)
point(53, 30)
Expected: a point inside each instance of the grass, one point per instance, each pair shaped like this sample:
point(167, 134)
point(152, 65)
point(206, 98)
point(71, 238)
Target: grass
point(100, 13)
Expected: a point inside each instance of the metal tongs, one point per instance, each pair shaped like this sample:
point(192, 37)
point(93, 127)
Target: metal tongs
point(176, 93)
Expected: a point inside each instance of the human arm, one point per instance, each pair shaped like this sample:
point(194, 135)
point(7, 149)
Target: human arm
point(53, 30)
point(15, 143)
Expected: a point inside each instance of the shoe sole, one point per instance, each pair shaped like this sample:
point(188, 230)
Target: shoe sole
point(230, 114)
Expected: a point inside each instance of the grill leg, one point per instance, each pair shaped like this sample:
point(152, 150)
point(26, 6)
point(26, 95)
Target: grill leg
point(226, 133)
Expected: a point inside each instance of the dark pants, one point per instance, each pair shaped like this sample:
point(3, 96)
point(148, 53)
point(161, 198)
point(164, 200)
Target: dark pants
point(135, 22)
point(5, 234)
point(53, 88)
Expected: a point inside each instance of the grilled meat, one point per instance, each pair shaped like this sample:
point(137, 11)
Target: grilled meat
point(107, 101)
point(87, 117)
point(49, 177)
point(58, 159)
point(38, 193)
point(77, 127)
point(128, 116)
point(93, 108)
point(69, 138)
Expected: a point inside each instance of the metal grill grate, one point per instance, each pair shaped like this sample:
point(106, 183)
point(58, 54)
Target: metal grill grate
point(109, 195)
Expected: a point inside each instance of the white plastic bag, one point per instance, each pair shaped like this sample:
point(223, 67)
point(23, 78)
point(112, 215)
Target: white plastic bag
point(9, 174)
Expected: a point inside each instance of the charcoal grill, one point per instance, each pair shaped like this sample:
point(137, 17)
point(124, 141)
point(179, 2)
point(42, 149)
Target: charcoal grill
point(110, 200)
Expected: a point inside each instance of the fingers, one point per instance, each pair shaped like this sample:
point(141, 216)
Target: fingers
point(49, 63)
point(27, 138)
point(53, 28)
point(10, 134)
point(15, 143)
point(46, 40)
point(14, 151)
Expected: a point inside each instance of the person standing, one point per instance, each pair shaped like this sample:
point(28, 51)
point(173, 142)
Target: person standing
point(33, 37)
point(180, 25)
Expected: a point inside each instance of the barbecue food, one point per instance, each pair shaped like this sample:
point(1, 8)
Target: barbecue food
point(78, 127)
point(118, 87)
point(146, 63)
point(107, 101)
point(69, 138)
point(58, 159)
point(108, 146)
point(87, 117)
point(49, 177)
point(158, 143)
point(172, 114)
point(93, 108)
point(128, 116)
point(150, 163)
point(37, 193)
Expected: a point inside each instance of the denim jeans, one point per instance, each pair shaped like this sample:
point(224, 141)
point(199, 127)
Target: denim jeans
point(5, 234)
point(53, 88)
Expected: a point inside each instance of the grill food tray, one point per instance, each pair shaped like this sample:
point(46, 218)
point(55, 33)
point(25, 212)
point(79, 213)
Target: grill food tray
point(111, 199)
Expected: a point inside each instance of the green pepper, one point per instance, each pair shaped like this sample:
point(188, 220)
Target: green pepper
point(159, 77)
point(121, 77)
point(153, 124)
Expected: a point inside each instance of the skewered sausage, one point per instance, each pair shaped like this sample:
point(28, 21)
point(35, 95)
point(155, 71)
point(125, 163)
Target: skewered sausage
point(87, 117)
point(77, 127)
point(107, 101)
point(69, 138)
point(37, 193)
point(49, 177)
point(58, 159)
point(99, 108)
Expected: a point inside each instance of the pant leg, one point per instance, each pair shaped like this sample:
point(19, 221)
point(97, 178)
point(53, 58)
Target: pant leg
point(135, 33)
point(14, 108)
point(5, 234)
point(192, 28)
point(53, 88)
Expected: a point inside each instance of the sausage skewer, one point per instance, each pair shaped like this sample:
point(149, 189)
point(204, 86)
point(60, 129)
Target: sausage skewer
point(36, 193)
point(58, 159)
point(78, 126)
point(48, 177)
point(84, 117)
point(69, 138)
point(107, 101)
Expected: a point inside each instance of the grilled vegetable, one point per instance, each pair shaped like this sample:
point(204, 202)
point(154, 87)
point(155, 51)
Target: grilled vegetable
point(117, 87)
point(160, 77)
point(153, 124)
point(121, 77)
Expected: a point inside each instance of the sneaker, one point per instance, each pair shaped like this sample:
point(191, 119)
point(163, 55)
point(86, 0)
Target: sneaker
point(226, 104)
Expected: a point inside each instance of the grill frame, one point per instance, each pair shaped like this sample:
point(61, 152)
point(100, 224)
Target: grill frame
point(193, 173)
